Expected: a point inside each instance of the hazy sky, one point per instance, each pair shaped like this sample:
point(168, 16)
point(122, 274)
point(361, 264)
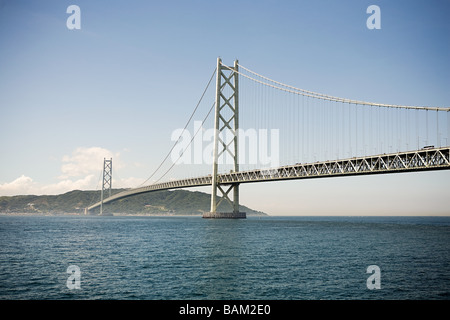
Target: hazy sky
point(119, 86)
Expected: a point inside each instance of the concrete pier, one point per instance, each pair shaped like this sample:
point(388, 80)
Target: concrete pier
point(225, 215)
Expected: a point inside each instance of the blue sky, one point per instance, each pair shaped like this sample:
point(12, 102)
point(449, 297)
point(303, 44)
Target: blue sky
point(132, 74)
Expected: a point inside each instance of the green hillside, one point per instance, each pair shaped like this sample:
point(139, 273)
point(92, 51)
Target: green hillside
point(176, 202)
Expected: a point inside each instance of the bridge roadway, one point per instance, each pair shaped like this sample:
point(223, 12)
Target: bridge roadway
point(420, 160)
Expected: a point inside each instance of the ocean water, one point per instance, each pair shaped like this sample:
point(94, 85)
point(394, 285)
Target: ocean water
point(279, 258)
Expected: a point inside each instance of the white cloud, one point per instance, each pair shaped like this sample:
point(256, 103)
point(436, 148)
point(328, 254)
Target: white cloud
point(22, 185)
point(79, 171)
point(25, 185)
point(84, 161)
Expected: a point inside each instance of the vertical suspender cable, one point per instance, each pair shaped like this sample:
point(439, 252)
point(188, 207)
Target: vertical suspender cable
point(448, 129)
point(438, 144)
point(427, 126)
point(407, 130)
point(417, 127)
point(356, 130)
point(303, 129)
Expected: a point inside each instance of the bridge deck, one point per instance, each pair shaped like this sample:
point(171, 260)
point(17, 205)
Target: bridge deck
point(420, 160)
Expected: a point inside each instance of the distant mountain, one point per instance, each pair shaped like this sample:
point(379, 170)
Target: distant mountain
point(176, 202)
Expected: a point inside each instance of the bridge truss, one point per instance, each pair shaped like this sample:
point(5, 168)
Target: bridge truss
point(412, 161)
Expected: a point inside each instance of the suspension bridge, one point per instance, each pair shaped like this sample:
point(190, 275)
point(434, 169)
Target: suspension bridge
point(265, 130)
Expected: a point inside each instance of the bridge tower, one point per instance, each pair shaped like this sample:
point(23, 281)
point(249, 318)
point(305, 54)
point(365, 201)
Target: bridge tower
point(106, 180)
point(226, 118)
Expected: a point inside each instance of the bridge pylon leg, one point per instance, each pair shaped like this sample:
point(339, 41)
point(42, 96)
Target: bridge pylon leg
point(107, 180)
point(226, 121)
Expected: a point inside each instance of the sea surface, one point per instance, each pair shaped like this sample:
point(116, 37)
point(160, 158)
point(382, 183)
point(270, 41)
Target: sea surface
point(280, 258)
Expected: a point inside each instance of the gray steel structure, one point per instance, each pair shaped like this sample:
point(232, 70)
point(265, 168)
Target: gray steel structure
point(410, 161)
point(227, 118)
point(106, 181)
point(226, 101)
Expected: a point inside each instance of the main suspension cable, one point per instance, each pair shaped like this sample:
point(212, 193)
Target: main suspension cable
point(324, 96)
point(184, 129)
point(190, 142)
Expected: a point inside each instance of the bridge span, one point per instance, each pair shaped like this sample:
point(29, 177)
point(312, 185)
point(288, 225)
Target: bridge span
point(312, 126)
point(419, 160)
